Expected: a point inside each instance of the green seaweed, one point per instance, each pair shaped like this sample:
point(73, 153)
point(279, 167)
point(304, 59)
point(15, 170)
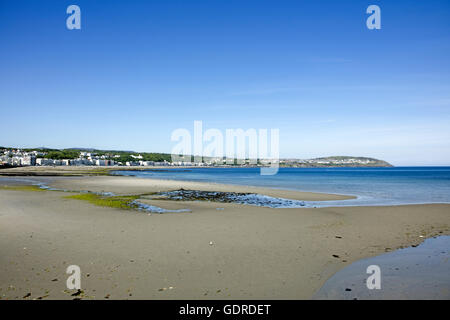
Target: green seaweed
point(22, 188)
point(119, 202)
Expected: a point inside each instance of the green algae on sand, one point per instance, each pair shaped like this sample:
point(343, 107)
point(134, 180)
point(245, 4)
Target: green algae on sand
point(119, 202)
point(22, 188)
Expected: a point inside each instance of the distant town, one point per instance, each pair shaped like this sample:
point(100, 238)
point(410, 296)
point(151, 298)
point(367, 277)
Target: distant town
point(15, 157)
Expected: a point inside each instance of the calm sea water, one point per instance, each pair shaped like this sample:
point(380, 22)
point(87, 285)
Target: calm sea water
point(372, 186)
point(421, 272)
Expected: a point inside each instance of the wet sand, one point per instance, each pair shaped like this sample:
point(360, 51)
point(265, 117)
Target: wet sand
point(419, 272)
point(216, 251)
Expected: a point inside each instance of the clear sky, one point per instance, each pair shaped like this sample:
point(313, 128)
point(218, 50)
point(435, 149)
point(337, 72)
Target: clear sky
point(137, 70)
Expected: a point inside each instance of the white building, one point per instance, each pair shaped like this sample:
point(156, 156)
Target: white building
point(29, 161)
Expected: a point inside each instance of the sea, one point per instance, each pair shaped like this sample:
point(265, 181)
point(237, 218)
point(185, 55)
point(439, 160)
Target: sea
point(370, 186)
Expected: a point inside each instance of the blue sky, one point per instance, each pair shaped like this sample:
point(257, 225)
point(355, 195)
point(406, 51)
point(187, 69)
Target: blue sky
point(137, 70)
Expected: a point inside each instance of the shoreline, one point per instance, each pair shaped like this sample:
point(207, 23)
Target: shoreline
point(92, 171)
point(307, 196)
point(264, 189)
point(215, 251)
point(34, 170)
point(316, 203)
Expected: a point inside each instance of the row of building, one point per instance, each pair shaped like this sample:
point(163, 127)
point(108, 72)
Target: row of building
point(329, 161)
point(35, 158)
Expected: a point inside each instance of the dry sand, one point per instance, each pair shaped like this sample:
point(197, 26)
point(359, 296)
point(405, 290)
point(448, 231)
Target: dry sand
point(240, 252)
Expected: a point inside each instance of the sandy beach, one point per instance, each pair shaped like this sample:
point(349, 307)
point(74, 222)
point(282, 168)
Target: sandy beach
point(215, 251)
